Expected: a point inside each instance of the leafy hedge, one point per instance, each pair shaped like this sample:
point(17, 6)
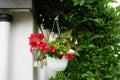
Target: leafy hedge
point(95, 26)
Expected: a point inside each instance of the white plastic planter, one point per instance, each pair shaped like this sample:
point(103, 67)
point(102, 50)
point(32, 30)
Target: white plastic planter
point(57, 64)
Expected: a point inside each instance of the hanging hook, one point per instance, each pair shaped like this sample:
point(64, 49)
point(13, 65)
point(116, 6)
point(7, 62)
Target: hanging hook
point(56, 18)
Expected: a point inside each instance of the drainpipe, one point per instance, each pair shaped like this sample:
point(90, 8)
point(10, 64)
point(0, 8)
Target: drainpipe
point(5, 24)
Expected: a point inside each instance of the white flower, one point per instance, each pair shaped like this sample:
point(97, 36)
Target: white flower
point(71, 51)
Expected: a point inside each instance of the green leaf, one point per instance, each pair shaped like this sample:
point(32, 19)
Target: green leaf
point(89, 1)
point(91, 46)
point(78, 2)
point(90, 78)
point(84, 46)
point(84, 75)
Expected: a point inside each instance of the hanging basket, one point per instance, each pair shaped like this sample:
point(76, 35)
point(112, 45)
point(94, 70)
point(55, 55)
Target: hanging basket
point(57, 64)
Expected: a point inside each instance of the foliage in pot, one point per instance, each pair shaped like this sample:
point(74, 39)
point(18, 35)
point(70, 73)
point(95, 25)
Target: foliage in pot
point(50, 48)
point(95, 26)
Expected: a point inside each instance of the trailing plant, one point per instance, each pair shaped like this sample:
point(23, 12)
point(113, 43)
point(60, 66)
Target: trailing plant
point(52, 47)
point(95, 28)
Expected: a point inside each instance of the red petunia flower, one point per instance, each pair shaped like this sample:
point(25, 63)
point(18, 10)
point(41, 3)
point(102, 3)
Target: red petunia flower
point(32, 40)
point(69, 56)
point(52, 48)
point(42, 46)
point(33, 44)
point(40, 37)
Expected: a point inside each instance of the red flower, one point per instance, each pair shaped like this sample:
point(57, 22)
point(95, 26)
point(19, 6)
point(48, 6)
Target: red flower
point(33, 44)
point(69, 56)
point(32, 41)
point(42, 46)
point(31, 50)
point(52, 48)
point(61, 54)
point(40, 37)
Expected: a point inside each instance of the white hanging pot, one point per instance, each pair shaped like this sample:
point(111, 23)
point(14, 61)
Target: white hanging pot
point(55, 64)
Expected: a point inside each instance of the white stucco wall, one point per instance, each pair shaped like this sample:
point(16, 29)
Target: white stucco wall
point(20, 59)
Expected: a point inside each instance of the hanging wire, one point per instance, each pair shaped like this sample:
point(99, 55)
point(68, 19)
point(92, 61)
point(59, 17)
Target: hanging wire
point(56, 22)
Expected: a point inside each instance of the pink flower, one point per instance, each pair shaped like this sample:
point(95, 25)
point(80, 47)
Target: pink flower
point(69, 56)
point(52, 48)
